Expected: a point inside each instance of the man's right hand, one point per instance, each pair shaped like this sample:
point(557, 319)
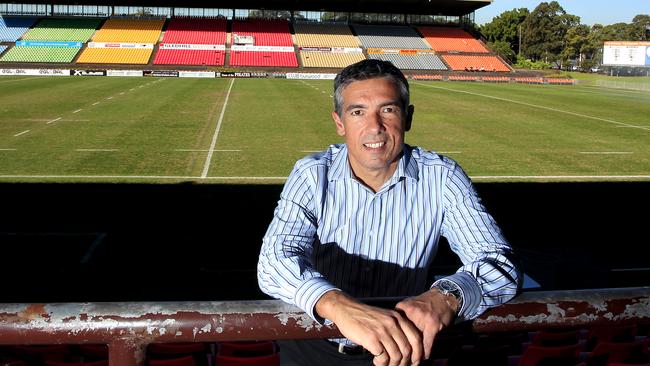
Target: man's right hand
point(387, 334)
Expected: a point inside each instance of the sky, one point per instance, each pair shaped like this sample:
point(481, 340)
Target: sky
point(590, 11)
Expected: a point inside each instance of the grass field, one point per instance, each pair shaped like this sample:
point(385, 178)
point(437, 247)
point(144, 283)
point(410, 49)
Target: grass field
point(253, 130)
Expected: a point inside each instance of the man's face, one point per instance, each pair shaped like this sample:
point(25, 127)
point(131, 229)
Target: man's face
point(373, 124)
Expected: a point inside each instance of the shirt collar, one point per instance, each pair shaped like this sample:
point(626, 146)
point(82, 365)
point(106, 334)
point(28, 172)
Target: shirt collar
point(340, 168)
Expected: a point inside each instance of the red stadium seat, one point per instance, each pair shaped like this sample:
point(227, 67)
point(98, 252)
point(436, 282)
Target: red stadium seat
point(611, 334)
point(555, 339)
point(267, 360)
point(558, 356)
point(95, 363)
point(246, 349)
point(606, 353)
point(182, 361)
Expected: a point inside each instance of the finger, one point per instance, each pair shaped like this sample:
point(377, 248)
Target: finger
point(401, 340)
point(380, 359)
point(428, 338)
point(414, 337)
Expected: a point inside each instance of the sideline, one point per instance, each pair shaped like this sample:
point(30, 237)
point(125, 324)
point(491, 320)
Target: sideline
point(208, 159)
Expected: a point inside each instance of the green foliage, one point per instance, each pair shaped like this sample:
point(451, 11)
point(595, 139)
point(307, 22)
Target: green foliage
point(505, 28)
point(544, 32)
point(503, 49)
point(524, 63)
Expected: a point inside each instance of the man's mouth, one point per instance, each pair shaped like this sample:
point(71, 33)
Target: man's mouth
point(374, 145)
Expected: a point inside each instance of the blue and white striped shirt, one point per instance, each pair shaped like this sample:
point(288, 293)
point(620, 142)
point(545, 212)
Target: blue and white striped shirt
point(330, 232)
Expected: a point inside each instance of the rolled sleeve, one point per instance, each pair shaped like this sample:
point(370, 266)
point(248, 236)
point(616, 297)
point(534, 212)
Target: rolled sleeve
point(308, 294)
point(470, 292)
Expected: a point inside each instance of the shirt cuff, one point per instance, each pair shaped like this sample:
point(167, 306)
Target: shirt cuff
point(308, 294)
point(470, 292)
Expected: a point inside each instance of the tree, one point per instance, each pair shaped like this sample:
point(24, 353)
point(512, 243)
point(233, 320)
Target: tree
point(504, 50)
point(505, 28)
point(575, 39)
point(641, 27)
point(544, 31)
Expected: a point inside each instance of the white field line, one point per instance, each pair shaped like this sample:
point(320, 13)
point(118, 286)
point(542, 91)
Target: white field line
point(606, 152)
point(54, 120)
point(109, 98)
point(21, 133)
point(92, 150)
point(96, 103)
point(208, 159)
point(77, 111)
point(204, 150)
point(536, 106)
point(449, 152)
point(8, 149)
point(180, 177)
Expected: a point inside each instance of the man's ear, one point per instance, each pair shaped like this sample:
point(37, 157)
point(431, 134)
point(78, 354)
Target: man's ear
point(409, 117)
point(340, 129)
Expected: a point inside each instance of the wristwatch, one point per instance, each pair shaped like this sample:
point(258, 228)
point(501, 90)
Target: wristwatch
point(450, 288)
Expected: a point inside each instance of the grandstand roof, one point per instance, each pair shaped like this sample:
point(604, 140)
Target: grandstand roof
point(434, 7)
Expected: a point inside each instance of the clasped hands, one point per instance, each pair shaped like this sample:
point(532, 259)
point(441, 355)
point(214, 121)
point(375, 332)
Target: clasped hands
point(403, 336)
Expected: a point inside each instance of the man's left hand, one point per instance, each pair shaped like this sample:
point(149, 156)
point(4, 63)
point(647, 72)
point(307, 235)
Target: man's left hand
point(430, 312)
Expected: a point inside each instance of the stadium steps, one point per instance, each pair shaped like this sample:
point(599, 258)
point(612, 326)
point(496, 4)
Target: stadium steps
point(83, 48)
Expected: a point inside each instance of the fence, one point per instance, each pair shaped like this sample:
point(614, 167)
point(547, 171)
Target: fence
point(128, 328)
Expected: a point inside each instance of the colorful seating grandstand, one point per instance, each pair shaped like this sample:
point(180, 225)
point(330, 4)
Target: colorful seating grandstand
point(184, 34)
point(324, 35)
point(130, 31)
point(475, 63)
point(195, 31)
point(329, 59)
point(421, 61)
point(326, 38)
point(2, 49)
point(258, 58)
point(69, 30)
point(11, 29)
point(444, 39)
point(115, 56)
point(264, 32)
point(40, 54)
point(385, 36)
point(251, 34)
point(123, 41)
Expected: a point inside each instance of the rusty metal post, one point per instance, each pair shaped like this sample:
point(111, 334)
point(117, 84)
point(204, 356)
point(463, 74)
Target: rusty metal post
point(126, 352)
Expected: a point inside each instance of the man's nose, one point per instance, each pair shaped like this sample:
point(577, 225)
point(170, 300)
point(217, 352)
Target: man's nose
point(375, 121)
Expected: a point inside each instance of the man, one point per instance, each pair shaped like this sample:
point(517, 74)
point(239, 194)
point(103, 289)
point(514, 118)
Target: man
point(363, 219)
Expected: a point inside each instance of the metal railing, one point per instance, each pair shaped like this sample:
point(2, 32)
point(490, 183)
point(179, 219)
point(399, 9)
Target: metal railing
point(127, 328)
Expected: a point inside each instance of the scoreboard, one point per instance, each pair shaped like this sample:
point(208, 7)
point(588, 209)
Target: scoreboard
point(626, 54)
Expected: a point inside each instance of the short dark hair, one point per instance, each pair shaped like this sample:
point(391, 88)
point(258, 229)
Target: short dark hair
point(370, 69)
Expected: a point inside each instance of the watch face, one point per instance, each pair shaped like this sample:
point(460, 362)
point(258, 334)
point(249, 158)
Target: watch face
point(447, 286)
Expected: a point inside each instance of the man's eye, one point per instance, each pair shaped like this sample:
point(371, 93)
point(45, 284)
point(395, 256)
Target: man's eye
point(356, 113)
point(390, 109)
